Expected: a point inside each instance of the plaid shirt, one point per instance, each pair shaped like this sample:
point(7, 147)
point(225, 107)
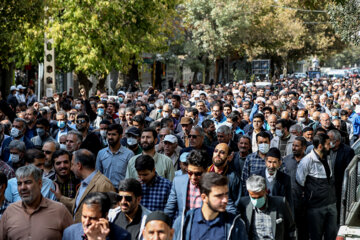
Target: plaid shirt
point(193, 198)
point(3, 207)
point(262, 225)
point(155, 195)
point(69, 187)
point(7, 170)
point(253, 163)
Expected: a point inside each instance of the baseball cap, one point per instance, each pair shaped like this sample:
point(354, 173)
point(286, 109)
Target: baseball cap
point(133, 131)
point(170, 138)
point(20, 87)
point(13, 88)
point(183, 157)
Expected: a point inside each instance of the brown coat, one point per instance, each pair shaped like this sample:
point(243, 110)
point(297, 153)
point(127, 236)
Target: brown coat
point(99, 183)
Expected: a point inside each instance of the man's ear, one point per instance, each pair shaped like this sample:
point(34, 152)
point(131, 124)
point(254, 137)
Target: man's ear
point(230, 157)
point(156, 140)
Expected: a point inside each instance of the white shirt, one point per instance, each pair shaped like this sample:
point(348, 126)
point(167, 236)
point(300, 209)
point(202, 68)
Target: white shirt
point(269, 177)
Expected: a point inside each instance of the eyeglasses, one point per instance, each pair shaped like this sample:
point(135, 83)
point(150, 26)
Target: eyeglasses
point(193, 136)
point(47, 152)
point(127, 198)
point(161, 136)
point(80, 121)
point(197, 174)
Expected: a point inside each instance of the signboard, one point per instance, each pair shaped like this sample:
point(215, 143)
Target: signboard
point(260, 67)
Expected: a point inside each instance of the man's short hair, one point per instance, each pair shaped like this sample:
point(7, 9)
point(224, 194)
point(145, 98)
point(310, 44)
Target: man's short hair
point(259, 115)
point(85, 157)
point(193, 110)
point(43, 121)
point(100, 199)
point(262, 134)
point(59, 153)
point(151, 130)
point(273, 152)
point(144, 162)
point(84, 116)
point(320, 139)
point(302, 140)
point(224, 129)
point(284, 123)
point(211, 179)
point(17, 144)
point(197, 158)
point(139, 119)
point(77, 134)
point(27, 171)
point(105, 121)
point(207, 123)
point(336, 134)
point(131, 185)
point(307, 129)
point(255, 183)
point(21, 120)
point(116, 127)
point(176, 97)
point(32, 154)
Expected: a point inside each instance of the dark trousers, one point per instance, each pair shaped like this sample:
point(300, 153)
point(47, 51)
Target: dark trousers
point(301, 222)
point(322, 222)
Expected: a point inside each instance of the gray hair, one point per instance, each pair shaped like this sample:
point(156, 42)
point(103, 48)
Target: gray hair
point(61, 113)
point(169, 105)
point(255, 183)
point(21, 120)
point(224, 129)
point(334, 110)
point(159, 103)
point(336, 133)
point(176, 111)
point(296, 127)
point(76, 133)
point(29, 170)
point(199, 129)
point(17, 144)
point(57, 145)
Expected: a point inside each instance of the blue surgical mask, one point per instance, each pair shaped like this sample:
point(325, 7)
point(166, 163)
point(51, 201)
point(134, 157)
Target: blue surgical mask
point(264, 148)
point(279, 133)
point(259, 202)
point(40, 132)
point(15, 133)
point(61, 124)
point(100, 111)
point(121, 99)
point(14, 158)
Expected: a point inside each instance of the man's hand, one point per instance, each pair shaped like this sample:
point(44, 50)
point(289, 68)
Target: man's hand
point(98, 230)
point(56, 192)
point(56, 97)
point(36, 106)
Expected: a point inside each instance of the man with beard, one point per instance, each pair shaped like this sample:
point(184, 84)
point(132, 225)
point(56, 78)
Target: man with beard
point(35, 216)
point(221, 165)
point(64, 177)
point(155, 189)
point(291, 163)
point(238, 160)
point(83, 166)
point(91, 141)
point(42, 130)
point(158, 226)
point(315, 174)
point(163, 164)
point(112, 161)
point(30, 118)
point(209, 131)
point(211, 221)
point(278, 183)
point(130, 214)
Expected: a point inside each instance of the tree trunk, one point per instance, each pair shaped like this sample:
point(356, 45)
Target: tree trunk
point(101, 83)
point(6, 79)
point(83, 82)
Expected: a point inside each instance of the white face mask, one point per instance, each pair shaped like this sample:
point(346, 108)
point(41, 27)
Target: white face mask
point(103, 133)
point(166, 115)
point(264, 148)
point(63, 146)
point(15, 133)
point(131, 141)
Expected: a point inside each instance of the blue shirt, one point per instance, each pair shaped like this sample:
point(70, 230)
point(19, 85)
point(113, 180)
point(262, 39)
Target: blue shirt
point(83, 185)
point(12, 194)
point(113, 165)
point(202, 229)
point(156, 193)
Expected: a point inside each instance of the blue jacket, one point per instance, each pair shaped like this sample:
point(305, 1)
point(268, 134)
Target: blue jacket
point(177, 199)
point(235, 228)
point(75, 231)
point(5, 147)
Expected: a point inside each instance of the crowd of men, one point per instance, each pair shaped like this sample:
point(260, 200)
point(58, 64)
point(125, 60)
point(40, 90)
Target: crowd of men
point(232, 161)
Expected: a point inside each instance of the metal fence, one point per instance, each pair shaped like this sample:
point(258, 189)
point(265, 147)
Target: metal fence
point(350, 191)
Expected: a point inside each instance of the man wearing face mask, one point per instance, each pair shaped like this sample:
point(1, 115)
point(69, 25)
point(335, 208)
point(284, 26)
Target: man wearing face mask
point(17, 133)
point(104, 124)
point(61, 127)
point(303, 118)
point(340, 157)
point(256, 161)
point(283, 139)
point(112, 161)
point(42, 129)
point(315, 174)
point(266, 217)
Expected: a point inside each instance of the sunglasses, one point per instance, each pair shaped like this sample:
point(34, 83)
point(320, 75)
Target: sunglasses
point(193, 136)
point(81, 121)
point(197, 174)
point(127, 198)
point(47, 152)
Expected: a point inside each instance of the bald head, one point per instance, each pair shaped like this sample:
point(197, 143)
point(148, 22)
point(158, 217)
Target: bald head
point(325, 120)
point(221, 155)
point(316, 116)
point(285, 115)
